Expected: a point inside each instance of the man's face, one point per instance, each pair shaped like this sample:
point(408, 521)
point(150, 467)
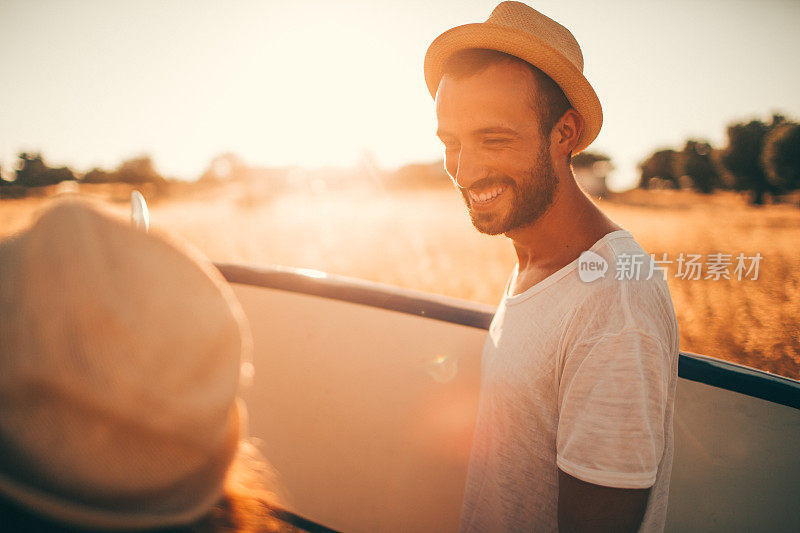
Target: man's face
point(494, 151)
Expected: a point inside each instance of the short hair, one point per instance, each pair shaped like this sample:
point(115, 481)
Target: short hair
point(547, 99)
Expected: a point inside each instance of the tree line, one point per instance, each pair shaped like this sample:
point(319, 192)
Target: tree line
point(32, 171)
point(760, 158)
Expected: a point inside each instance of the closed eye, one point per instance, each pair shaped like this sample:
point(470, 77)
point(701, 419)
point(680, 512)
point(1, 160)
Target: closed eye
point(496, 141)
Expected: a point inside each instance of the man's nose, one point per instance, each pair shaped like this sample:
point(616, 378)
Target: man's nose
point(468, 171)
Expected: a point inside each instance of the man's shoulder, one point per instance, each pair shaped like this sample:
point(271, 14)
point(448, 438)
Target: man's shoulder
point(630, 270)
point(632, 293)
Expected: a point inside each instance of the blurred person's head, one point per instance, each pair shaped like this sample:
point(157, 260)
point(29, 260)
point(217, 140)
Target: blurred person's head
point(120, 357)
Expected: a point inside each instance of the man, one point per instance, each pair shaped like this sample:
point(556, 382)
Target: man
point(574, 429)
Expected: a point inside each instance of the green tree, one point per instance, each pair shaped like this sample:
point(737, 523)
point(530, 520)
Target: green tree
point(781, 156)
point(742, 157)
point(661, 164)
point(98, 175)
point(33, 172)
point(138, 170)
point(695, 162)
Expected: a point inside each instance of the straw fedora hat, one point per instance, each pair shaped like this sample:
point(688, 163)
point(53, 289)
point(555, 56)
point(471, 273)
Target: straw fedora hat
point(120, 356)
point(521, 31)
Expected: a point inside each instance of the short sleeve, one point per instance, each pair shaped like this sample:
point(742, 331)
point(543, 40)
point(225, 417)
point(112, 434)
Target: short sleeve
point(613, 396)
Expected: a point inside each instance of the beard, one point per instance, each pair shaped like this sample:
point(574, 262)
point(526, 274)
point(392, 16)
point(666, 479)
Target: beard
point(531, 197)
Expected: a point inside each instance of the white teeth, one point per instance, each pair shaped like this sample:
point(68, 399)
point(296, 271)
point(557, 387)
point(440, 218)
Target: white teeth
point(486, 196)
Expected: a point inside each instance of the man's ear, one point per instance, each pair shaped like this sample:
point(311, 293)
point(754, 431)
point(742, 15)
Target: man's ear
point(565, 134)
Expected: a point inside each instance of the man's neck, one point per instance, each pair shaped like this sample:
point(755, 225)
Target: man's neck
point(572, 224)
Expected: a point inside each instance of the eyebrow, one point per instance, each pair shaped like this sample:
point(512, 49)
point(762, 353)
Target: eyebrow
point(483, 131)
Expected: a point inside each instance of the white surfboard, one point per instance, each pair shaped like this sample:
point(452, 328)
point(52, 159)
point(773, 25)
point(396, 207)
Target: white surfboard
point(365, 399)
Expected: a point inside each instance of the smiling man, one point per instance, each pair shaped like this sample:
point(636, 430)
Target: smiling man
point(574, 428)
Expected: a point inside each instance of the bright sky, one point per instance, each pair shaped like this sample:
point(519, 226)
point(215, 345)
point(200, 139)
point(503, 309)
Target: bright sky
point(313, 83)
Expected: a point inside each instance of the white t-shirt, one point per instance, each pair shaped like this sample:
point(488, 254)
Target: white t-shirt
point(577, 375)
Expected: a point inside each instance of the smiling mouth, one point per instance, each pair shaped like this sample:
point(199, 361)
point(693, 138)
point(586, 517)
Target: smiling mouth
point(486, 196)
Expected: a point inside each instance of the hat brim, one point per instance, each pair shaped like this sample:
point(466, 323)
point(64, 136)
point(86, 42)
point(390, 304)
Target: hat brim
point(180, 503)
point(528, 48)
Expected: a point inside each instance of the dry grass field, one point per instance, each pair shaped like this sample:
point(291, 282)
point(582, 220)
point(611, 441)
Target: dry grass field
point(424, 240)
